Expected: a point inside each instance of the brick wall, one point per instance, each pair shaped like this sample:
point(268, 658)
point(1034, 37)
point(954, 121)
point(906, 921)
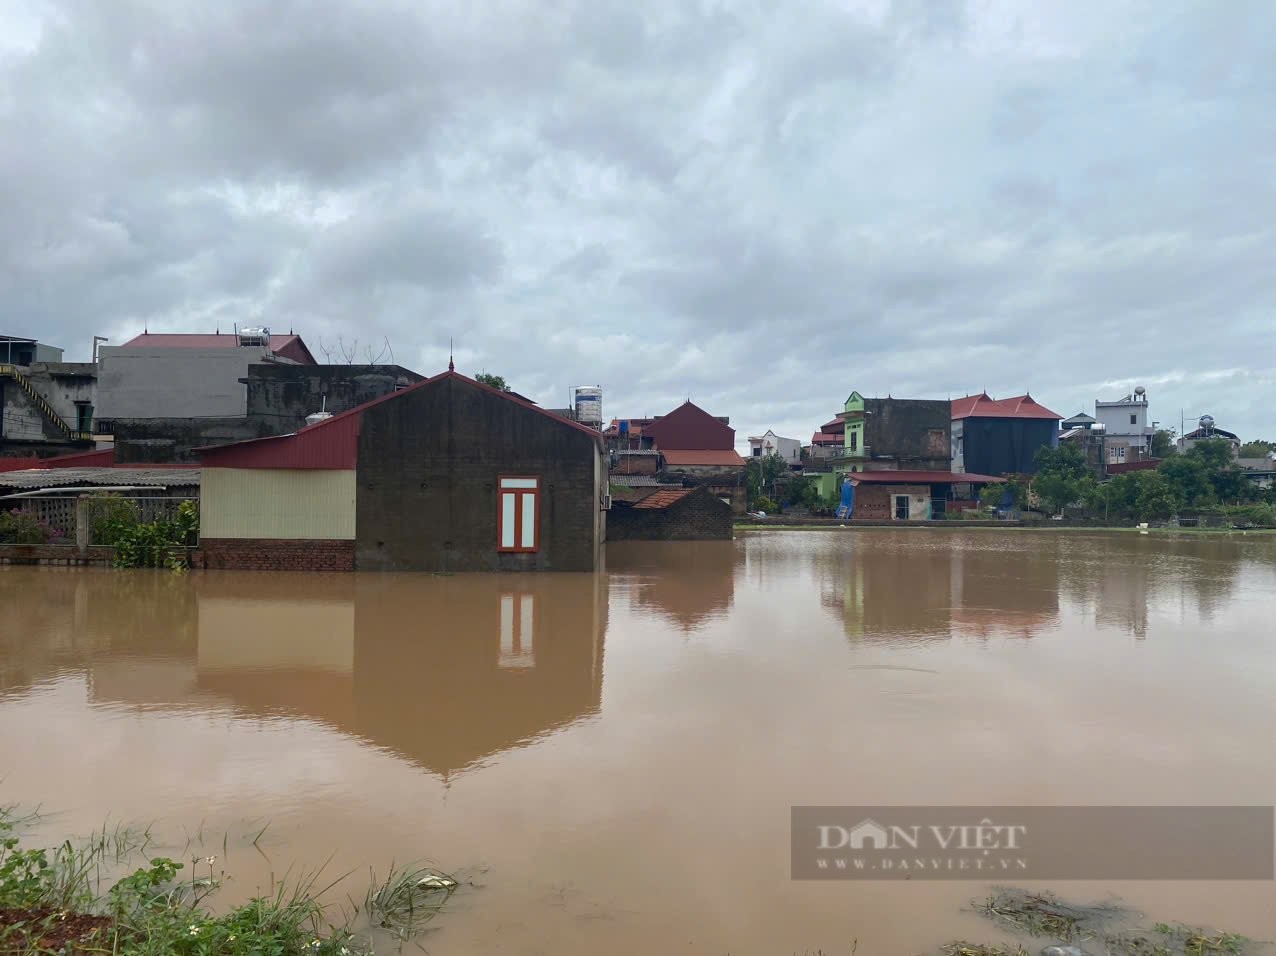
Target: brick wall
point(54, 554)
point(697, 517)
point(272, 554)
point(876, 501)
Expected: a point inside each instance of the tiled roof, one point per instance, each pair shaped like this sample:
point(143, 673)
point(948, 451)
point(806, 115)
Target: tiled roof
point(74, 477)
point(919, 477)
point(827, 438)
point(722, 457)
point(982, 406)
point(663, 499)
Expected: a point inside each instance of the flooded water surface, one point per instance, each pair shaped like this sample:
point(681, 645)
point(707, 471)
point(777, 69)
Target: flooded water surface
point(611, 758)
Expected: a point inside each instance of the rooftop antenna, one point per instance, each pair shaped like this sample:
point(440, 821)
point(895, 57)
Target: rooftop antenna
point(451, 366)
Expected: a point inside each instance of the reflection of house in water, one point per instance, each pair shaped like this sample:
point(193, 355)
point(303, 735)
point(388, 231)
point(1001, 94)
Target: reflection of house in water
point(691, 582)
point(135, 632)
point(1129, 573)
point(442, 670)
point(894, 590)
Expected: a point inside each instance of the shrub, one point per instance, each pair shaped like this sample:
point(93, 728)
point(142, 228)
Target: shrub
point(23, 527)
point(763, 503)
point(112, 519)
point(160, 543)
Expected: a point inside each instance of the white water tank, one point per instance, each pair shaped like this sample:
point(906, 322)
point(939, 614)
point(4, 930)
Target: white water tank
point(587, 401)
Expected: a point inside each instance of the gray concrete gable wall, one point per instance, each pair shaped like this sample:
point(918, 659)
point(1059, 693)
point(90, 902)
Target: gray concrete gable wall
point(174, 382)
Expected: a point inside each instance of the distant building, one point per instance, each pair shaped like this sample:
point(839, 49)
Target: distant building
point(445, 475)
point(893, 434)
point(911, 495)
point(1206, 430)
point(1000, 437)
point(790, 449)
point(46, 405)
point(1127, 432)
point(1085, 433)
point(695, 448)
point(163, 396)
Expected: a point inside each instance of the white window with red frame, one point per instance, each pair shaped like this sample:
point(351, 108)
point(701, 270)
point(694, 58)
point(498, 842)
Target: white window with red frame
point(518, 514)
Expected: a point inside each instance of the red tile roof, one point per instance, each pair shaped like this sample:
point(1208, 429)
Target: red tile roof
point(919, 477)
point(982, 406)
point(333, 443)
point(827, 438)
point(663, 499)
point(288, 346)
point(701, 456)
point(836, 427)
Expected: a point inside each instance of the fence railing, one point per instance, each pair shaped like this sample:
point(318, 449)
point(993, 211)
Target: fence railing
point(82, 520)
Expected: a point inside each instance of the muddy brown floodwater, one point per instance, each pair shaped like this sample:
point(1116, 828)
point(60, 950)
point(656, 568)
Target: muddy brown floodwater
point(613, 756)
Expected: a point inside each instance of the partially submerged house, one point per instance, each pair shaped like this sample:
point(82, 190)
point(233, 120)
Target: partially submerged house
point(911, 495)
point(445, 475)
point(671, 514)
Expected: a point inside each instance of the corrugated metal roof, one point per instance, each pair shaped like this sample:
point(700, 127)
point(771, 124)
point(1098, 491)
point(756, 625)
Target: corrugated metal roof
point(641, 481)
point(69, 477)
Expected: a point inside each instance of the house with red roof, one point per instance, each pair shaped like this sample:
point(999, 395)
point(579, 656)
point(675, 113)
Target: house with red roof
point(699, 449)
point(444, 475)
point(1001, 436)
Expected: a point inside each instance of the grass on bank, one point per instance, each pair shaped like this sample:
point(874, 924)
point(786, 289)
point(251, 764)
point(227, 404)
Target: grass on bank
point(59, 900)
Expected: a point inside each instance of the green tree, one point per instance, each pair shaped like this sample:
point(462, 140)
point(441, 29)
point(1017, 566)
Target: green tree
point(1058, 490)
point(1066, 461)
point(1163, 444)
point(761, 473)
point(1257, 448)
point(492, 381)
point(1154, 497)
point(1188, 478)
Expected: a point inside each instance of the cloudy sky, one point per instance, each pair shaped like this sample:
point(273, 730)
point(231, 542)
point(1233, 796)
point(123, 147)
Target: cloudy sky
point(761, 206)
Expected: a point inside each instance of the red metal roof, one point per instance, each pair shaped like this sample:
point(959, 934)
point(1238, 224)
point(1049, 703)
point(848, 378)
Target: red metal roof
point(663, 499)
point(19, 464)
point(919, 478)
point(701, 456)
point(827, 438)
point(981, 406)
point(836, 427)
point(333, 443)
point(287, 346)
point(689, 426)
